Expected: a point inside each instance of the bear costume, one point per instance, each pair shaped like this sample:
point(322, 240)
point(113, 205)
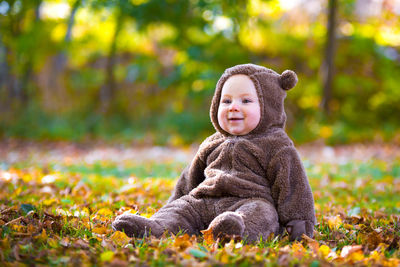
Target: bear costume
point(250, 185)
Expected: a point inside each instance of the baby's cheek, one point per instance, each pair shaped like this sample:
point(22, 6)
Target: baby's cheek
point(222, 118)
point(255, 117)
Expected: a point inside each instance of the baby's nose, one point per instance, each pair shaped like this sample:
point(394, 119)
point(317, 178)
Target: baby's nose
point(234, 107)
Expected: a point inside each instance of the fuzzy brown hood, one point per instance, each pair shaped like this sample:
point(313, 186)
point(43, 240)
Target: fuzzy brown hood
point(271, 90)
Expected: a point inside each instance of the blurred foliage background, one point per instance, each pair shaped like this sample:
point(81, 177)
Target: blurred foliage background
point(144, 71)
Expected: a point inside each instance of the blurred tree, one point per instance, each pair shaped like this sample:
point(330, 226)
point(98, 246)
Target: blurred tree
point(328, 66)
point(129, 67)
point(58, 63)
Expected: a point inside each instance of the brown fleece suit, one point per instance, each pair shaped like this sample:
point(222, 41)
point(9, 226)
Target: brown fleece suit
point(251, 185)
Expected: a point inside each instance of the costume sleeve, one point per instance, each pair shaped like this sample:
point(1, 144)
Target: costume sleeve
point(190, 178)
point(291, 191)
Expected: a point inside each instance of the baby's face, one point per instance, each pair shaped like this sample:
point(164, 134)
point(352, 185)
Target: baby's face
point(239, 108)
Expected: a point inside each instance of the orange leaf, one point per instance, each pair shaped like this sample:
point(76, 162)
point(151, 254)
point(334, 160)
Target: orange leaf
point(182, 242)
point(208, 236)
point(298, 250)
point(100, 230)
point(347, 250)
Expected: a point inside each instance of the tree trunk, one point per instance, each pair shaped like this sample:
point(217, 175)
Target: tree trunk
point(71, 20)
point(107, 91)
point(55, 85)
point(22, 92)
point(328, 66)
point(4, 80)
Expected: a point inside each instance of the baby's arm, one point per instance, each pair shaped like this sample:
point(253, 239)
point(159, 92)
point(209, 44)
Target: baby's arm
point(191, 177)
point(193, 174)
point(292, 193)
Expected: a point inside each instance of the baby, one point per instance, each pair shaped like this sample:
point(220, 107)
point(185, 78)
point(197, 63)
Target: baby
point(246, 179)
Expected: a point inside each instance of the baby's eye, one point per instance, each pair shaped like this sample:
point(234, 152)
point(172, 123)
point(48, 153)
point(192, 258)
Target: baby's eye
point(246, 100)
point(226, 101)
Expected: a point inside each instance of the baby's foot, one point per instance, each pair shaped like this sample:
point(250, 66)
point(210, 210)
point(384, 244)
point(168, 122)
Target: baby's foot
point(227, 224)
point(137, 226)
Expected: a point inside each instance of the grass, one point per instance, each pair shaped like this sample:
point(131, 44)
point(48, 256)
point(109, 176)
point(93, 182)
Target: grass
point(60, 214)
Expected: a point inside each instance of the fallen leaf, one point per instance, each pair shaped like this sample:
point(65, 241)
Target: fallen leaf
point(120, 238)
point(208, 236)
point(42, 236)
point(356, 256)
point(104, 212)
point(106, 256)
point(298, 250)
point(100, 230)
point(334, 222)
point(81, 244)
point(324, 251)
point(347, 250)
point(182, 242)
point(311, 243)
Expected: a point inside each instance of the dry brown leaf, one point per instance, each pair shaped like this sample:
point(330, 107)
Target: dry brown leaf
point(313, 244)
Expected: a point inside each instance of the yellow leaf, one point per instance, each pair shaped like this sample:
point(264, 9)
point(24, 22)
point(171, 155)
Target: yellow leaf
point(104, 212)
point(106, 256)
point(53, 243)
point(208, 236)
point(376, 256)
point(259, 257)
point(18, 228)
point(120, 238)
point(49, 202)
point(348, 226)
point(334, 222)
point(43, 236)
point(323, 251)
point(100, 230)
point(224, 257)
point(356, 256)
point(392, 262)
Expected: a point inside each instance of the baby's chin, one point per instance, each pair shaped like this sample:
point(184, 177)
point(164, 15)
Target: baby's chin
point(237, 132)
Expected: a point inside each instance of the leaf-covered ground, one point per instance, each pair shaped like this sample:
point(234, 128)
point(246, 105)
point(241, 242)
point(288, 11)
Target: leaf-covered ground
point(57, 204)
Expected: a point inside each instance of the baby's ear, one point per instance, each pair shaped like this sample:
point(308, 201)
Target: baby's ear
point(288, 79)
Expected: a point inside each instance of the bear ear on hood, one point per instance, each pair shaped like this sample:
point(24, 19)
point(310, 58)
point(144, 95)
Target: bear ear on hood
point(288, 79)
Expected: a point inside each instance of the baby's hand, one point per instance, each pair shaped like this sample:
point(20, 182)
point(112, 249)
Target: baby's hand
point(296, 229)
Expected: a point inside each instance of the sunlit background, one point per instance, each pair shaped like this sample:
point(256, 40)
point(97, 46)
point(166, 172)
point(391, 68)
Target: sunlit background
point(144, 71)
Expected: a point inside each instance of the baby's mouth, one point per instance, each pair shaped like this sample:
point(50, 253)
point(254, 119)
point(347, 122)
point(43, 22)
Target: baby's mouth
point(235, 119)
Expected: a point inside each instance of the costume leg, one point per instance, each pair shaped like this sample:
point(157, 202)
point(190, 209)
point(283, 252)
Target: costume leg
point(182, 214)
point(137, 226)
point(228, 223)
point(260, 218)
point(249, 219)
